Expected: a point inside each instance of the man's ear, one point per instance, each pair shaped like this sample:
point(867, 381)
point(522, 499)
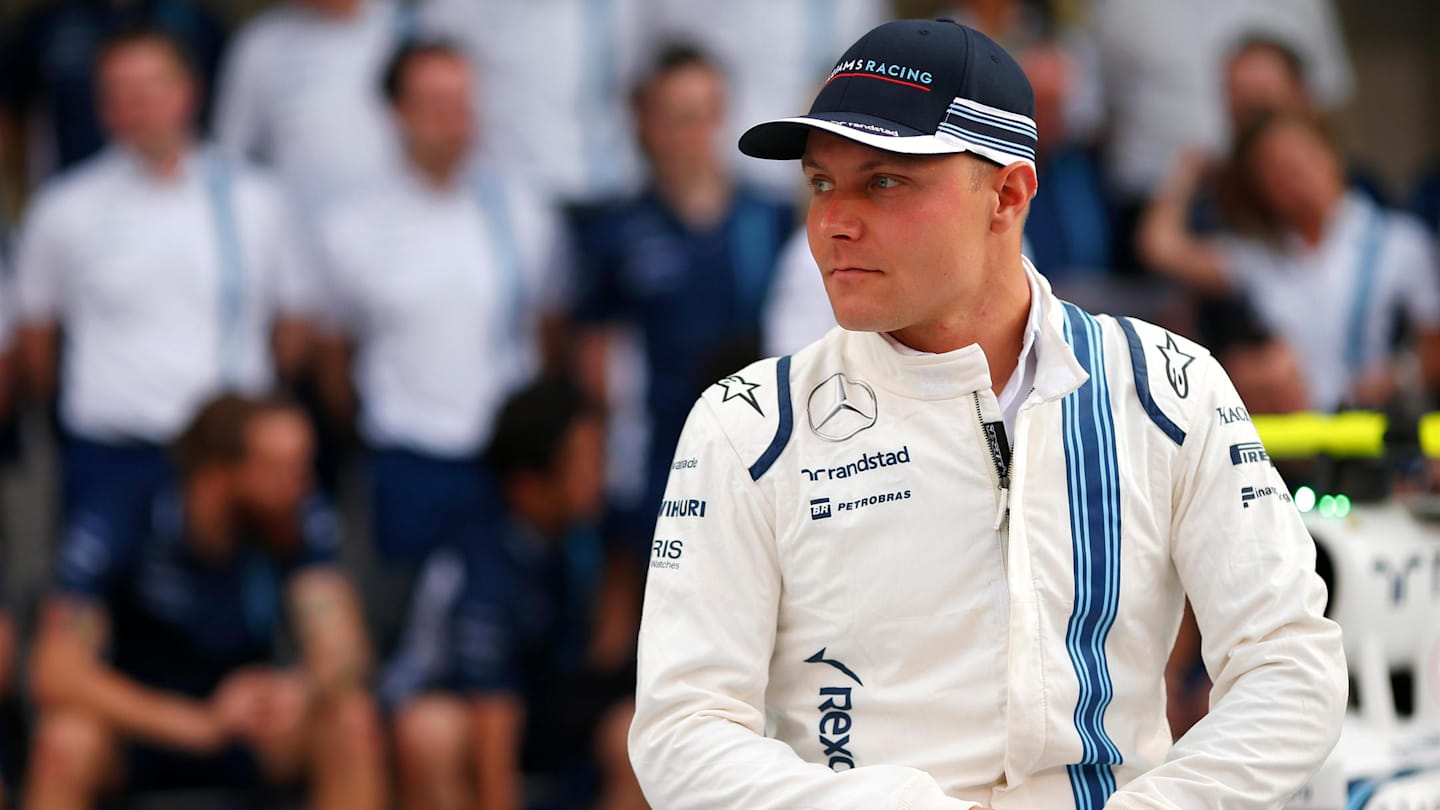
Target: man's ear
point(1015, 186)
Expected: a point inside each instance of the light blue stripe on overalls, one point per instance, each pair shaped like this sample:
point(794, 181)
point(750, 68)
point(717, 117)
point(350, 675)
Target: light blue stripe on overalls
point(1364, 291)
point(1091, 464)
point(494, 204)
point(230, 304)
point(599, 31)
point(752, 249)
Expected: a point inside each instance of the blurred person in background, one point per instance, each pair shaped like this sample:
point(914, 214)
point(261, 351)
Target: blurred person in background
point(504, 669)
point(797, 312)
point(554, 79)
point(155, 665)
point(1067, 233)
point(8, 376)
point(773, 53)
point(7, 406)
point(439, 279)
point(1150, 69)
point(688, 262)
point(170, 272)
point(1328, 271)
point(48, 106)
point(1263, 74)
point(299, 91)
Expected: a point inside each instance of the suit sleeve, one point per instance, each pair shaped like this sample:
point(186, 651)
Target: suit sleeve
point(1248, 566)
point(711, 606)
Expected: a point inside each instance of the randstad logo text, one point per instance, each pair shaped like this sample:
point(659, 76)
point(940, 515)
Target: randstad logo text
point(900, 73)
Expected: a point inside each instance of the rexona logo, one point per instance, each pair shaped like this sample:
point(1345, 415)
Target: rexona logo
point(835, 720)
point(680, 509)
point(1249, 495)
point(666, 553)
point(866, 463)
point(1247, 453)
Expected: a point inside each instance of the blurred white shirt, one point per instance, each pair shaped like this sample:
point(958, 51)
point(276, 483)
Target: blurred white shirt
point(798, 312)
point(1339, 303)
point(300, 91)
point(554, 89)
point(1157, 69)
point(165, 290)
point(441, 291)
point(775, 54)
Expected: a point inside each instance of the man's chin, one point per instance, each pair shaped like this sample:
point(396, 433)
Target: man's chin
point(865, 320)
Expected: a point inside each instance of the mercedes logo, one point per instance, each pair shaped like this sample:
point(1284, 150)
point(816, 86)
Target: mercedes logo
point(841, 407)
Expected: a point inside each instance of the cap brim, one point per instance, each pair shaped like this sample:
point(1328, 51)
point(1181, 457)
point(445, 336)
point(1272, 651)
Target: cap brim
point(786, 138)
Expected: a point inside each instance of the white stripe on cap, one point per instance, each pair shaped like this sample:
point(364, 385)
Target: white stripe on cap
point(996, 112)
point(941, 143)
point(990, 121)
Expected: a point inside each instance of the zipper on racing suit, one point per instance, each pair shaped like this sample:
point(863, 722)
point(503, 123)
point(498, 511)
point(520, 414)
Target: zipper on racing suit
point(999, 446)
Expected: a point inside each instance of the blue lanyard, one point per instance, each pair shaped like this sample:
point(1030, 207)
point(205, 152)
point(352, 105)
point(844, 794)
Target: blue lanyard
point(490, 194)
point(230, 304)
point(1370, 249)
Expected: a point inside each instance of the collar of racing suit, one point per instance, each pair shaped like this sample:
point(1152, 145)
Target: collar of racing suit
point(965, 370)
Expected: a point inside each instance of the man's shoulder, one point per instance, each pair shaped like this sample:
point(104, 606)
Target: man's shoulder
point(76, 185)
point(257, 40)
point(759, 407)
point(1168, 372)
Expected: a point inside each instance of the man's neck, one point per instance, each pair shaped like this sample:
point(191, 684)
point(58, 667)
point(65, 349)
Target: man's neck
point(995, 319)
point(438, 175)
point(1312, 228)
point(162, 161)
point(209, 519)
point(699, 195)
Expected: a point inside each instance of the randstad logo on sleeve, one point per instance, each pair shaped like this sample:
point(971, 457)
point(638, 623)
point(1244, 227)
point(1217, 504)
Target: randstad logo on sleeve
point(890, 71)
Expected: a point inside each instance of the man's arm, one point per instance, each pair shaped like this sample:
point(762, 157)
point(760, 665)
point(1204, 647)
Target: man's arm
point(496, 723)
point(66, 671)
point(333, 381)
point(7, 383)
point(1248, 566)
point(238, 121)
point(327, 617)
point(1164, 240)
point(706, 639)
point(38, 354)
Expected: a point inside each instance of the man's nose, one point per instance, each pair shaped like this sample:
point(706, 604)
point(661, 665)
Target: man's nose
point(838, 216)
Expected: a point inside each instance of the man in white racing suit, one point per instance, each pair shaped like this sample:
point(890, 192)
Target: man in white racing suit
point(938, 558)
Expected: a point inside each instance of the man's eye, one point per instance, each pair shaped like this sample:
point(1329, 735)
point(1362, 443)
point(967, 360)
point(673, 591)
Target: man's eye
point(883, 181)
point(821, 184)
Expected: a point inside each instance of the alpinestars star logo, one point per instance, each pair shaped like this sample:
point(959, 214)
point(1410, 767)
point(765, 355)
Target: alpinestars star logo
point(1176, 363)
point(737, 387)
point(840, 407)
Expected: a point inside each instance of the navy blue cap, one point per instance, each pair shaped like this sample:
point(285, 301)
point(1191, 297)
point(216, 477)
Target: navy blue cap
point(917, 87)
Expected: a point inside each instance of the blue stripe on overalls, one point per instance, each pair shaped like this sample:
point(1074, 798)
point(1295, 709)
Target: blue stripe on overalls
point(500, 225)
point(1370, 246)
point(230, 299)
point(1094, 489)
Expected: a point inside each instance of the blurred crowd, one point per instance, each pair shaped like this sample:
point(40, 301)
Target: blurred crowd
point(363, 332)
